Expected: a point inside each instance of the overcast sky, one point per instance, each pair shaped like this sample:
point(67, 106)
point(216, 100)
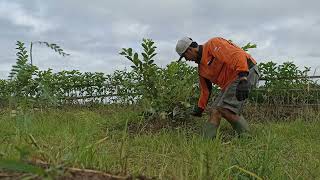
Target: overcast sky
point(94, 31)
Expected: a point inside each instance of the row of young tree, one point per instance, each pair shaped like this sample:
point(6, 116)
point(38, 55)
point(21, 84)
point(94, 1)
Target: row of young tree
point(155, 88)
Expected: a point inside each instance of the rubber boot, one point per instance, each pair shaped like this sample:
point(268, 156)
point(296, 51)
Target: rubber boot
point(241, 126)
point(209, 130)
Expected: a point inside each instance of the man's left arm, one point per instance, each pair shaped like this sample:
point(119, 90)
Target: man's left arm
point(240, 62)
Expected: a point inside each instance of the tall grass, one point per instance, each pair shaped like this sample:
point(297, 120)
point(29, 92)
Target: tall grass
point(99, 139)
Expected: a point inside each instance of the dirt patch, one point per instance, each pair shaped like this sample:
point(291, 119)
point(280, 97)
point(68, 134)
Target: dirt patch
point(157, 125)
point(72, 174)
point(68, 173)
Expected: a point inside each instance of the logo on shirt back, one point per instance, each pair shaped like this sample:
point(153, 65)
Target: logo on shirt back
point(216, 48)
point(210, 61)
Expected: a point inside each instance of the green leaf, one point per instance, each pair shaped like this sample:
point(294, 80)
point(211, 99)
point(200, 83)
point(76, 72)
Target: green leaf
point(122, 53)
point(145, 56)
point(151, 51)
point(135, 57)
point(145, 47)
point(136, 62)
point(249, 46)
point(54, 47)
point(153, 55)
point(128, 57)
point(130, 51)
point(19, 166)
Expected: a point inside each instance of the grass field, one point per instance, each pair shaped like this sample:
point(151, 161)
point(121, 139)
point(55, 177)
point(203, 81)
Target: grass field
point(118, 140)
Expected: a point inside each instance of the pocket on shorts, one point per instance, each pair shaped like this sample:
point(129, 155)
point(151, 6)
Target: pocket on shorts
point(254, 76)
point(256, 69)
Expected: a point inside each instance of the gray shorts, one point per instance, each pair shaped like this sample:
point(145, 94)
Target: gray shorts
point(227, 99)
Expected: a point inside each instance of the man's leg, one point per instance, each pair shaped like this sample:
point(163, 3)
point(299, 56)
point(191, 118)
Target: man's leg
point(229, 107)
point(210, 128)
point(238, 122)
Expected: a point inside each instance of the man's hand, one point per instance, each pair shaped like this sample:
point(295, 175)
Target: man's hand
point(242, 92)
point(197, 111)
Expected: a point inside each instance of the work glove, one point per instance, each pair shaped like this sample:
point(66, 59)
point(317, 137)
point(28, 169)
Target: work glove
point(242, 91)
point(197, 111)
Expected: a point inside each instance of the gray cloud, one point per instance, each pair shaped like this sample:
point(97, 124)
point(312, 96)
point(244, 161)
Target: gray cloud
point(94, 33)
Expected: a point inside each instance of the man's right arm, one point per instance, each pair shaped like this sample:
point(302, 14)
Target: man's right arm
point(205, 91)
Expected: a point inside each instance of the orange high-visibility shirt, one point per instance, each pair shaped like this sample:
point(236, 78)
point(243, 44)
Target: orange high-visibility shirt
point(221, 63)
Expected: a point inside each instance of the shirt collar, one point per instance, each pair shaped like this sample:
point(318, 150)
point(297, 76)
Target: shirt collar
point(198, 61)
